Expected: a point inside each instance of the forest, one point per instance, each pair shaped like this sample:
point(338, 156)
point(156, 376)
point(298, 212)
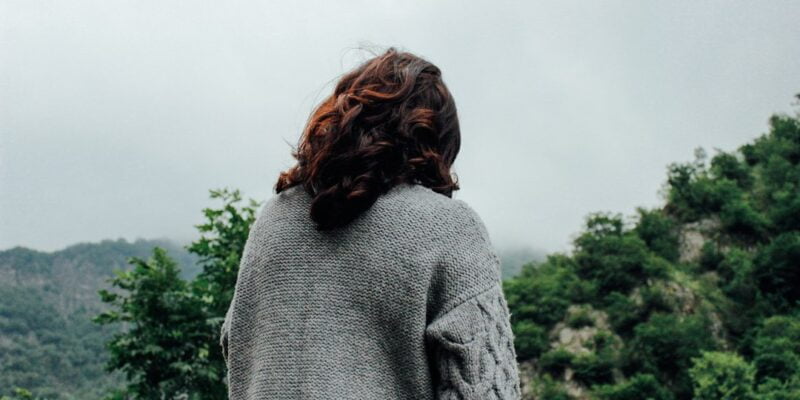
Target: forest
point(695, 299)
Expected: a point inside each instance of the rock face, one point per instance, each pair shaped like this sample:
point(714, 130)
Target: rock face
point(574, 338)
point(694, 235)
point(576, 334)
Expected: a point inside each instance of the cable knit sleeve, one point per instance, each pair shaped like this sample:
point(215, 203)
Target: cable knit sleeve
point(469, 335)
point(473, 348)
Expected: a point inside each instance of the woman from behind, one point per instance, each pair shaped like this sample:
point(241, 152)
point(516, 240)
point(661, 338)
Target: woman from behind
point(362, 278)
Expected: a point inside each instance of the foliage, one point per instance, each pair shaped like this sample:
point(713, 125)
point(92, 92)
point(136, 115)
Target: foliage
point(580, 318)
point(19, 394)
point(776, 271)
point(775, 389)
point(48, 343)
point(555, 361)
point(530, 339)
point(163, 352)
point(715, 268)
point(664, 346)
point(777, 348)
point(659, 232)
point(548, 388)
point(593, 368)
point(722, 376)
point(638, 387)
point(170, 347)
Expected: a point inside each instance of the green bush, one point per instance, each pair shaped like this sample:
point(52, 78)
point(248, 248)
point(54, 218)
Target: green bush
point(659, 233)
point(638, 387)
point(530, 339)
point(548, 388)
point(593, 368)
point(775, 389)
point(610, 256)
point(664, 346)
point(542, 292)
point(580, 318)
point(777, 273)
point(623, 313)
point(722, 376)
point(556, 361)
point(730, 166)
point(777, 348)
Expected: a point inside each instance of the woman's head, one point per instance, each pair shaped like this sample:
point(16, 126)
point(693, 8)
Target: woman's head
point(390, 120)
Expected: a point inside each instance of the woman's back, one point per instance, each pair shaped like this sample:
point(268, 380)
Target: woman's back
point(405, 302)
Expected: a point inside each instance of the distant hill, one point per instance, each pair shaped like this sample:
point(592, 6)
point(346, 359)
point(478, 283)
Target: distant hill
point(513, 258)
point(48, 343)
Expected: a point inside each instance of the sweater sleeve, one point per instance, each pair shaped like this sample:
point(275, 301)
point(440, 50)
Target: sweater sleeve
point(473, 350)
point(469, 336)
point(248, 259)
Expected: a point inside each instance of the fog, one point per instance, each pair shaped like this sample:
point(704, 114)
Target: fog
point(117, 117)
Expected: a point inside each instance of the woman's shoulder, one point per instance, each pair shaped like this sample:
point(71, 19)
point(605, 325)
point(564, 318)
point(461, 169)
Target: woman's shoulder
point(403, 205)
point(425, 204)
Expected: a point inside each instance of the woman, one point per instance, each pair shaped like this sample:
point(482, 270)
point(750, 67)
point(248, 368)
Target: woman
point(362, 278)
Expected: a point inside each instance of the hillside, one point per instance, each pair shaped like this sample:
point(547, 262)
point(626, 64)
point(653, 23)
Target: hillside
point(47, 341)
point(698, 299)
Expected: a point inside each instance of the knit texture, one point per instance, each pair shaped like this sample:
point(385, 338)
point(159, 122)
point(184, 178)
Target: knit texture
point(405, 302)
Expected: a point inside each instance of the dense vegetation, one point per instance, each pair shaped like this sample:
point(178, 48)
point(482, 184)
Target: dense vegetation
point(698, 299)
point(48, 343)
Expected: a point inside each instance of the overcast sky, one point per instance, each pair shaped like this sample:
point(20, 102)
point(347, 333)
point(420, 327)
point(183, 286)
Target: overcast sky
point(117, 117)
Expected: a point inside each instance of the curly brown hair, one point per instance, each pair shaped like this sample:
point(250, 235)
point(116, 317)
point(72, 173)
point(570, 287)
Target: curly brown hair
point(390, 120)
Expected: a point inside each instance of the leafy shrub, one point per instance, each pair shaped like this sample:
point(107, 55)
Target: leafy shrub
point(728, 166)
point(541, 293)
point(777, 348)
point(548, 388)
point(775, 389)
point(556, 361)
point(659, 233)
point(741, 222)
point(612, 257)
point(664, 347)
point(777, 273)
point(710, 257)
point(580, 318)
point(593, 368)
point(530, 339)
point(722, 376)
point(638, 387)
point(623, 313)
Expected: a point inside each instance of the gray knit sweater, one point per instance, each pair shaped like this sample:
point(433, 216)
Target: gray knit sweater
point(406, 302)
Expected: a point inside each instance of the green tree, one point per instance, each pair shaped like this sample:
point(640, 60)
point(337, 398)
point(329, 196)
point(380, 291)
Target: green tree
point(171, 346)
point(163, 353)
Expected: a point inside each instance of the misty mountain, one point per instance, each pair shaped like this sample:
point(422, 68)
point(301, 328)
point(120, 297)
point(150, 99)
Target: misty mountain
point(47, 299)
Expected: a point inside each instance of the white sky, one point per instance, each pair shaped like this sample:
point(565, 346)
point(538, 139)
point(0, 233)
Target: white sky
point(117, 117)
